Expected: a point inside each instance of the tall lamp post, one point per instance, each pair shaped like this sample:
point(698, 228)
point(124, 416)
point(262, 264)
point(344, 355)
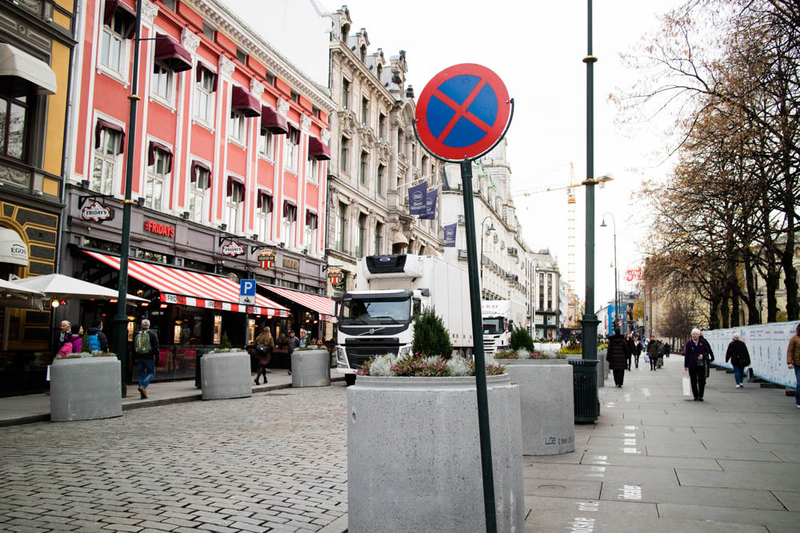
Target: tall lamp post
point(616, 277)
point(483, 233)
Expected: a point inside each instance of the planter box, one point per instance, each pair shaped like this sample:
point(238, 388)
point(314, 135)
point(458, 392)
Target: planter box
point(413, 455)
point(547, 404)
point(85, 389)
point(226, 375)
point(311, 368)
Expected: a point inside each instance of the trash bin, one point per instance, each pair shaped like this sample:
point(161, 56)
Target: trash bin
point(198, 382)
point(584, 390)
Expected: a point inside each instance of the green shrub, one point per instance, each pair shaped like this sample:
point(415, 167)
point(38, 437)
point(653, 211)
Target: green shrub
point(431, 338)
point(521, 339)
point(506, 354)
point(225, 342)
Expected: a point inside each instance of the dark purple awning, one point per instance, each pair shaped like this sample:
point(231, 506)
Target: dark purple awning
point(231, 181)
point(317, 149)
point(199, 165)
point(201, 66)
point(103, 125)
point(172, 54)
point(274, 122)
point(311, 220)
point(128, 14)
point(245, 102)
point(151, 154)
point(268, 196)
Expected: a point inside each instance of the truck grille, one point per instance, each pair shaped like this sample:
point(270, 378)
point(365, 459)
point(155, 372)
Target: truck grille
point(489, 346)
point(361, 350)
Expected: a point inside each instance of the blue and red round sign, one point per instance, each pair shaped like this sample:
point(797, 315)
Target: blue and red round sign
point(462, 112)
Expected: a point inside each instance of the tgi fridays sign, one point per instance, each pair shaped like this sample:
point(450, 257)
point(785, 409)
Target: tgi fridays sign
point(233, 249)
point(97, 212)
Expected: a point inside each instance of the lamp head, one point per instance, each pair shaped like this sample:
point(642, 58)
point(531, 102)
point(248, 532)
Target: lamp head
point(491, 227)
point(603, 223)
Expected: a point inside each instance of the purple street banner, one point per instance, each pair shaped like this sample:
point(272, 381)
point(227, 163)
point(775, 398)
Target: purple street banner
point(430, 205)
point(450, 235)
point(416, 198)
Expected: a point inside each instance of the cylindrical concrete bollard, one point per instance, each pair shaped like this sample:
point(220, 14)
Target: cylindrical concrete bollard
point(85, 389)
point(413, 455)
point(226, 375)
point(547, 404)
point(311, 368)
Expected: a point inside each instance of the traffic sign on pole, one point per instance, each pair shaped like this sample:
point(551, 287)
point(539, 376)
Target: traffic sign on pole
point(463, 112)
point(247, 292)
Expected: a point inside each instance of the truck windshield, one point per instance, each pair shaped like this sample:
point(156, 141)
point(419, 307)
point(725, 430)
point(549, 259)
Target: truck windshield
point(384, 311)
point(493, 325)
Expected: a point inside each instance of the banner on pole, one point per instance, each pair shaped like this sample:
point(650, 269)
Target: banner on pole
point(450, 235)
point(416, 198)
point(430, 205)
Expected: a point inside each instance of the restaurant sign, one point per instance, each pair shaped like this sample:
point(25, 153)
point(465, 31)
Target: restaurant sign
point(97, 212)
point(233, 249)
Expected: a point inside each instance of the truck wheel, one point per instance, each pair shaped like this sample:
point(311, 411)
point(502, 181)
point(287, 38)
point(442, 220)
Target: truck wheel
point(350, 379)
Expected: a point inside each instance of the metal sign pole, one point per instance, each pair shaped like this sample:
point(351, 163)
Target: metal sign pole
point(477, 349)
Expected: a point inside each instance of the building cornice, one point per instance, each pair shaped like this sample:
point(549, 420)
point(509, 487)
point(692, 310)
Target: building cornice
point(350, 60)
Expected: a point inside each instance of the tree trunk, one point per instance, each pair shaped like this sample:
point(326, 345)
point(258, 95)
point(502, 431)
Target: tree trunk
point(724, 308)
point(773, 279)
point(753, 314)
point(713, 318)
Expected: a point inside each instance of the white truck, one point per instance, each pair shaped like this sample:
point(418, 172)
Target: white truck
point(497, 325)
point(377, 317)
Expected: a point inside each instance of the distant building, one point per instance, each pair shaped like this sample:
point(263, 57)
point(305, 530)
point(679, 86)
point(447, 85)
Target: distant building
point(547, 295)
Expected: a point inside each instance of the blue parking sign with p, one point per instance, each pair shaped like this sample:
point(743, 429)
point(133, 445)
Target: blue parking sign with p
point(248, 287)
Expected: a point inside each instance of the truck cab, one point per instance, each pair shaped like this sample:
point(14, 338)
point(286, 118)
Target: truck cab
point(497, 325)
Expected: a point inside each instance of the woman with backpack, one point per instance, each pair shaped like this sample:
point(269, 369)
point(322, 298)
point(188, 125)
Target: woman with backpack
point(72, 341)
point(265, 345)
point(739, 357)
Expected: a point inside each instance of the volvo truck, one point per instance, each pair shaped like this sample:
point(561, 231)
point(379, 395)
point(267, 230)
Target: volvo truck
point(377, 317)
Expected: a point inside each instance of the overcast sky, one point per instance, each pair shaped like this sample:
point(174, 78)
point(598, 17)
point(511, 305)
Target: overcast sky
point(537, 49)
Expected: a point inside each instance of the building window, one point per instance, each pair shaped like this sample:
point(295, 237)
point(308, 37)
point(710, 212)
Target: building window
point(549, 292)
point(362, 235)
point(344, 153)
point(155, 184)
point(264, 217)
point(270, 77)
point(312, 170)
point(363, 53)
point(378, 238)
point(289, 223)
point(382, 126)
point(363, 168)
point(365, 111)
point(14, 120)
point(112, 43)
point(265, 143)
point(233, 201)
point(208, 31)
point(236, 126)
point(341, 223)
point(311, 232)
point(105, 161)
point(315, 111)
point(380, 179)
point(241, 56)
point(292, 148)
point(541, 292)
point(199, 184)
point(295, 97)
point(345, 93)
point(162, 82)
point(424, 168)
point(204, 95)
point(169, 4)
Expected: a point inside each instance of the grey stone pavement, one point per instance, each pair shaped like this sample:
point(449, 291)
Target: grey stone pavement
point(277, 461)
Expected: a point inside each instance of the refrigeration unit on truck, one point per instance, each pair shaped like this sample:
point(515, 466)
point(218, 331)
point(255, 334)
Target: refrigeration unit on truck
point(377, 318)
point(496, 316)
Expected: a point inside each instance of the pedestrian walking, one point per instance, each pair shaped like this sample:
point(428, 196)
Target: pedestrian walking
point(77, 337)
point(638, 352)
point(710, 358)
point(653, 350)
point(265, 345)
point(293, 342)
point(695, 356)
point(667, 349)
point(64, 333)
point(303, 338)
point(631, 349)
point(793, 360)
point(739, 357)
point(618, 355)
point(72, 341)
point(96, 338)
point(145, 354)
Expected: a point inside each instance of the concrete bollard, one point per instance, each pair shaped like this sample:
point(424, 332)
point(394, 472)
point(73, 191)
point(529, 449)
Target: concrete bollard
point(311, 368)
point(413, 455)
point(226, 375)
point(85, 389)
point(547, 404)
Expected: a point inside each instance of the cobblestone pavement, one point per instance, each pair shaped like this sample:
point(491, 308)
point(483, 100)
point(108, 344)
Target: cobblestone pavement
point(273, 462)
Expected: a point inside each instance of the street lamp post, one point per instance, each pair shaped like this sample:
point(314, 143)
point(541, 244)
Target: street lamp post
point(616, 277)
point(491, 228)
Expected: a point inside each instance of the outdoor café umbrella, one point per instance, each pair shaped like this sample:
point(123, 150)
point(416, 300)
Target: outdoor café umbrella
point(61, 287)
point(12, 295)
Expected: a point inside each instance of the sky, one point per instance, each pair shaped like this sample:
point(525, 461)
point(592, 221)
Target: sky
point(537, 49)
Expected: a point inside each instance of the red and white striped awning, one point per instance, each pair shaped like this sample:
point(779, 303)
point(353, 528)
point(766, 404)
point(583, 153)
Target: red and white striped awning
point(193, 289)
point(322, 305)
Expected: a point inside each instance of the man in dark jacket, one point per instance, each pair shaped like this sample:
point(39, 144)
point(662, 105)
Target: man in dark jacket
point(618, 356)
point(695, 358)
point(631, 348)
point(102, 340)
point(145, 355)
point(739, 357)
